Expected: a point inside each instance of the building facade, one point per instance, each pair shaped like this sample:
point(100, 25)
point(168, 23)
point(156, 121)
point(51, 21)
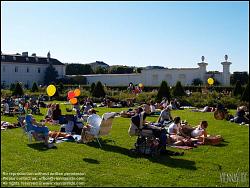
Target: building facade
point(154, 77)
point(27, 69)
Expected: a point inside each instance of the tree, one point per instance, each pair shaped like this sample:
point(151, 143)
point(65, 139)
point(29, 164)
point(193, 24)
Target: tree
point(99, 90)
point(243, 77)
point(92, 88)
point(78, 69)
point(50, 75)
point(237, 89)
point(178, 90)
point(101, 70)
point(34, 87)
point(138, 70)
point(18, 91)
point(60, 87)
point(116, 69)
point(216, 83)
point(12, 87)
point(245, 95)
point(79, 80)
point(164, 91)
point(197, 82)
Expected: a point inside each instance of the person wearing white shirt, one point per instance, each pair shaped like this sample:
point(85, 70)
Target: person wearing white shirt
point(6, 108)
point(92, 127)
point(173, 131)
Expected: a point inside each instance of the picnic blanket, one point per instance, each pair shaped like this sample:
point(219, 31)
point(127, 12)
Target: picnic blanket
point(185, 147)
point(7, 125)
point(73, 138)
point(180, 147)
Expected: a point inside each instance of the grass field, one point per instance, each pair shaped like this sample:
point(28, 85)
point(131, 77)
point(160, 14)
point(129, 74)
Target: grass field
point(115, 165)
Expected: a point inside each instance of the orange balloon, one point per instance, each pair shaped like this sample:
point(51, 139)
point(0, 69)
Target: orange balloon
point(77, 92)
point(73, 100)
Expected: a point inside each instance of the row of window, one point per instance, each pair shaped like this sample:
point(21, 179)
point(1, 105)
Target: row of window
point(27, 70)
point(27, 59)
point(169, 76)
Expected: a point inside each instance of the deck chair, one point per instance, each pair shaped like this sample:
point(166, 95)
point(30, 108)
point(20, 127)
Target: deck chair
point(29, 134)
point(20, 120)
point(105, 127)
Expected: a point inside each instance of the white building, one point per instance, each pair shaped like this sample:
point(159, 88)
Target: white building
point(154, 77)
point(27, 69)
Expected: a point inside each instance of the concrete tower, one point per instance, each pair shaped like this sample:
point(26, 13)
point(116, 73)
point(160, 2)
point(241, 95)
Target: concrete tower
point(203, 69)
point(226, 71)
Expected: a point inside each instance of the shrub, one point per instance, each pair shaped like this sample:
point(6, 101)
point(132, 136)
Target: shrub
point(164, 91)
point(99, 90)
point(237, 89)
point(245, 95)
point(197, 82)
point(18, 91)
point(178, 90)
point(92, 88)
point(12, 87)
point(34, 87)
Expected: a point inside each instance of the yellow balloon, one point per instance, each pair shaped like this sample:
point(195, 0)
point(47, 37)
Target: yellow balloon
point(73, 100)
point(210, 81)
point(140, 85)
point(77, 92)
point(51, 90)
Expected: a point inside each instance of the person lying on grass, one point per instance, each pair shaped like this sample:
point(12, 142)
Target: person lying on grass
point(198, 132)
point(38, 129)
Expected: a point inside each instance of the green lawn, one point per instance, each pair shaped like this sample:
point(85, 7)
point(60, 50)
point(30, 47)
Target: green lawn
point(115, 165)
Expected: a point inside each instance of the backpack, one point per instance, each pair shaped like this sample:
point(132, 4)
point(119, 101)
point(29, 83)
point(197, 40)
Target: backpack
point(148, 146)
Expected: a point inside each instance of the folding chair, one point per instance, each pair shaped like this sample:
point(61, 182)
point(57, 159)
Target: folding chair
point(20, 120)
point(105, 126)
point(25, 131)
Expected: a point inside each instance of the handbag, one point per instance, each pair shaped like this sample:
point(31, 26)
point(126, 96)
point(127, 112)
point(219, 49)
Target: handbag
point(213, 140)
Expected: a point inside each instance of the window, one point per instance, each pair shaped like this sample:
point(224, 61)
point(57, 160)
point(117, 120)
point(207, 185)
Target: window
point(16, 69)
point(28, 70)
point(39, 70)
point(3, 57)
point(27, 59)
point(155, 79)
point(168, 78)
point(36, 59)
point(14, 58)
point(182, 76)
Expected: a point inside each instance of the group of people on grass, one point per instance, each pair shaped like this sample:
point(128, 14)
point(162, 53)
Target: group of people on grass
point(38, 129)
point(18, 105)
point(180, 133)
point(177, 133)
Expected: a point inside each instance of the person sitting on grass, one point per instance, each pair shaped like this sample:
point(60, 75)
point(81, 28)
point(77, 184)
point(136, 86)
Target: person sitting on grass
point(241, 116)
point(6, 107)
point(152, 108)
point(158, 132)
point(86, 108)
point(37, 128)
point(165, 115)
point(174, 132)
point(50, 107)
point(57, 115)
point(92, 126)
